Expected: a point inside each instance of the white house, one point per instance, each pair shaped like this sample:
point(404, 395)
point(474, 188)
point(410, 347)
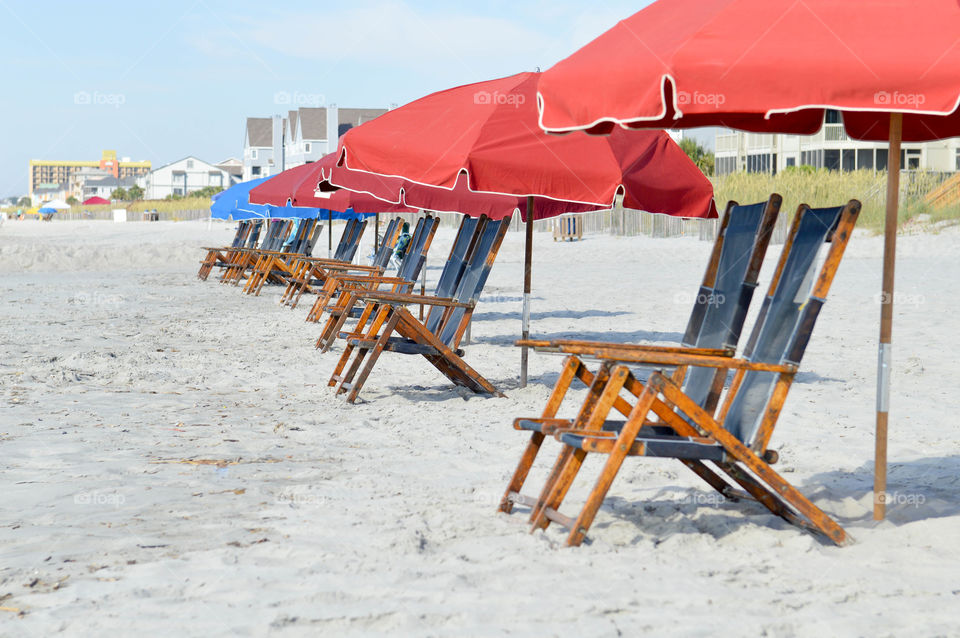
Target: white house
point(183, 177)
point(258, 149)
point(274, 144)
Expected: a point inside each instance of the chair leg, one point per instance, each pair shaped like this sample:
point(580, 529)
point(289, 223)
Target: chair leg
point(571, 366)
point(610, 469)
point(335, 321)
point(570, 459)
point(374, 354)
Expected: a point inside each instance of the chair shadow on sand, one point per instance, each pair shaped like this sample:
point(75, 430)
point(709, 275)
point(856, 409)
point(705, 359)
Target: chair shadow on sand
point(922, 489)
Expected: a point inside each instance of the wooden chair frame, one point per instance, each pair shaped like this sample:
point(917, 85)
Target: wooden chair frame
point(661, 406)
point(575, 369)
point(394, 328)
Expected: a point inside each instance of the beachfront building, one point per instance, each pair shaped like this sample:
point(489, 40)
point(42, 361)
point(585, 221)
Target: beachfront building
point(104, 186)
point(234, 167)
point(273, 144)
point(60, 173)
point(183, 177)
point(829, 148)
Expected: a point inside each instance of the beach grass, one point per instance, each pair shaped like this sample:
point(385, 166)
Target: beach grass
point(826, 188)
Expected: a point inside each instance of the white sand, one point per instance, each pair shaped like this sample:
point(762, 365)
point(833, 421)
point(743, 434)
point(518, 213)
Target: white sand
point(378, 518)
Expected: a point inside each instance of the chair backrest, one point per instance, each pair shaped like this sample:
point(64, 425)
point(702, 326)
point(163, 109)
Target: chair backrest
point(273, 231)
point(302, 237)
point(473, 280)
point(416, 255)
point(471, 228)
point(727, 289)
point(350, 240)
point(242, 231)
point(382, 257)
point(467, 235)
point(254, 234)
point(312, 241)
point(789, 312)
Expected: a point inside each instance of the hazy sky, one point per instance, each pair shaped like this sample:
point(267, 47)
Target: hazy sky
point(159, 81)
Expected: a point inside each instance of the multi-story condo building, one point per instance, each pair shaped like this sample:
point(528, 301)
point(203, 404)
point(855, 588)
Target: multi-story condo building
point(830, 148)
point(46, 173)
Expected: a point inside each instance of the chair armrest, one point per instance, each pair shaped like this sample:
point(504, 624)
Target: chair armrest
point(673, 357)
point(607, 350)
point(400, 298)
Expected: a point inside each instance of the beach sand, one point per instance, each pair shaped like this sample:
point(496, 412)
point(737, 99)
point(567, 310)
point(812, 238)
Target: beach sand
point(174, 462)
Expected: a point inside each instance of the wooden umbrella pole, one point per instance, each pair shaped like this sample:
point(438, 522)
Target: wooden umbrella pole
point(329, 234)
point(527, 271)
point(886, 317)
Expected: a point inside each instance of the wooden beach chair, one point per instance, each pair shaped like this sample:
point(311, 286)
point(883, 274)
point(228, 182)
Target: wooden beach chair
point(437, 338)
point(245, 258)
point(218, 255)
point(275, 266)
point(348, 302)
point(339, 296)
point(732, 441)
point(715, 323)
point(312, 273)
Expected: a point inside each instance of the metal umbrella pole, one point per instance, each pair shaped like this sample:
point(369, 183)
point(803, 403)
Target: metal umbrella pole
point(527, 271)
point(884, 358)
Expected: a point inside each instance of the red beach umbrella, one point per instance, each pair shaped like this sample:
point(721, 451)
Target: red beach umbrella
point(890, 67)
point(481, 138)
point(95, 201)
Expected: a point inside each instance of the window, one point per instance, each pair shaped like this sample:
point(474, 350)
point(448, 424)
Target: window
point(833, 117)
point(255, 170)
point(913, 160)
point(253, 153)
point(306, 147)
point(865, 159)
point(849, 160)
point(958, 159)
point(831, 159)
point(189, 163)
point(791, 161)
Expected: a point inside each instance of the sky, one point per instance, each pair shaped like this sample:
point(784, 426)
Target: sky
point(160, 81)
